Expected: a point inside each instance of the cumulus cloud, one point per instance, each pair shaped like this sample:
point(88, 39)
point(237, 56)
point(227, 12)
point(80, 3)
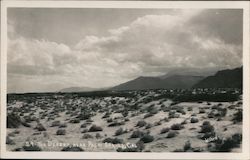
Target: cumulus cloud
point(150, 45)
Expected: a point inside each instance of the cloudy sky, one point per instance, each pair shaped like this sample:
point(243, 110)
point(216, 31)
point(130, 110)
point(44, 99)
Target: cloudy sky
point(51, 49)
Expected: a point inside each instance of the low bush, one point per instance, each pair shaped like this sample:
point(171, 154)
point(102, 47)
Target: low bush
point(95, 128)
point(137, 134)
point(87, 136)
point(194, 120)
point(113, 140)
point(172, 134)
point(32, 148)
point(177, 126)
point(141, 123)
point(237, 117)
point(61, 132)
point(120, 131)
point(72, 149)
point(40, 127)
point(206, 127)
point(165, 130)
point(147, 138)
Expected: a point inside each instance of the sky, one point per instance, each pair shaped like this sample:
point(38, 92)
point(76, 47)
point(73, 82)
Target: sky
point(51, 49)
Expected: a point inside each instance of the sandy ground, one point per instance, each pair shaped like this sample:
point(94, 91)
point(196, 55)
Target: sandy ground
point(46, 139)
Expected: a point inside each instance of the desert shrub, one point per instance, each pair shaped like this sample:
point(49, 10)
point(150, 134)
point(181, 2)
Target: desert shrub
point(55, 123)
point(149, 125)
point(72, 149)
point(141, 123)
point(206, 123)
point(87, 136)
point(84, 130)
point(31, 148)
point(194, 120)
point(206, 127)
point(172, 134)
point(137, 134)
point(208, 135)
point(237, 117)
point(98, 135)
point(25, 124)
point(9, 141)
point(61, 132)
point(225, 145)
point(63, 125)
point(13, 120)
point(147, 138)
point(112, 140)
point(40, 127)
point(76, 120)
point(84, 125)
point(184, 122)
point(222, 112)
point(148, 115)
point(106, 115)
point(157, 123)
point(116, 123)
point(202, 110)
point(109, 120)
point(120, 131)
point(177, 126)
point(187, 146)
point(95, 128)
point(190, 109)
point(165, 130)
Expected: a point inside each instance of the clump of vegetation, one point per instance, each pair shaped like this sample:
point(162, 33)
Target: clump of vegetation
point(238, 116)
point(9, 141)
point(98, 135)
point(13, 120)
point(226, 145)
point(87, 136)
point(202, 110)
point(194, 120)
point(61, 132)
point(149, 125)
point(206, 127)
point(75, 120)
point(31, 148)
point(116, 123)
point(177, 126)
point(172, 134)
point(137, 134)
point(147, 138)
point(72, 149)
point(55, 123)
point(120, 131)
point(63, 125)
point(113, 140)
point(187, 146)
point(95, 128)
point(165, 130)
point(40, 127)
point(141, 123)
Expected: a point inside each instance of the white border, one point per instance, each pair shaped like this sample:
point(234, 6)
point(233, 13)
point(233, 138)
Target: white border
point(245, 5)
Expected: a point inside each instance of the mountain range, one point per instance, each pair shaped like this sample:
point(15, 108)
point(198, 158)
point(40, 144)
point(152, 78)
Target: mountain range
point(223, 79)
point(229, 78)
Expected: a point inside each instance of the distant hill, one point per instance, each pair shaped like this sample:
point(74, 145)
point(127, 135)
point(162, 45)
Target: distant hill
point(77, 89)
point(175, 81)
point(223, 79)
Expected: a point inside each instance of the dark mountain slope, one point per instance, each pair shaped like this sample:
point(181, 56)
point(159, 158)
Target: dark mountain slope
point(223, 79)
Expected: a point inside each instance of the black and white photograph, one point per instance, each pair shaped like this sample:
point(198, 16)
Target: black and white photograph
point(133, 79)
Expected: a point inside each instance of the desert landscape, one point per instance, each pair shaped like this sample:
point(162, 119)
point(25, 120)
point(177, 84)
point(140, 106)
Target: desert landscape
point(125, 79)
point(143, 121)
